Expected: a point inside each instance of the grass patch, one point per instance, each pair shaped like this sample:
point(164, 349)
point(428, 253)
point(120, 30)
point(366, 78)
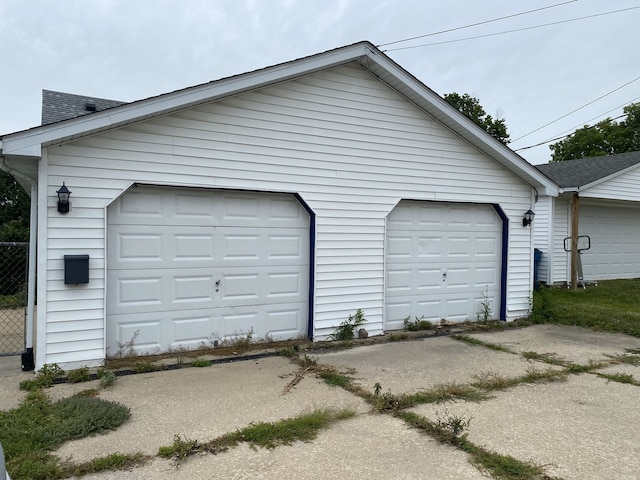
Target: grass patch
point(201, 362)
point(302, 428)
point(475, 342)
point(113, 462)
point(334, 378)
point(612, 306)
point(620, 378)
point(29, 432)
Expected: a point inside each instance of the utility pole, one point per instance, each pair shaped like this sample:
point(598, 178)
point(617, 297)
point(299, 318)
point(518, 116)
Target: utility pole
point(575, 212)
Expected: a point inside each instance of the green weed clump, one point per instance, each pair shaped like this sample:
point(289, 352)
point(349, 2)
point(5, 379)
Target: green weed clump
point(29, 432)
point(346, 330)
point(79, 375)
point(417, 324)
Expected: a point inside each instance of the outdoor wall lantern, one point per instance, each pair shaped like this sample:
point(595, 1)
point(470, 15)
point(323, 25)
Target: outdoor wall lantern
point(528, 218)
point(63, 199)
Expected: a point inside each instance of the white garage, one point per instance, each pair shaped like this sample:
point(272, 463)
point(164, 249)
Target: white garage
point(190, 266)
point(604, 195)
point(614, 231)
point(278, 201)
point(442, 261)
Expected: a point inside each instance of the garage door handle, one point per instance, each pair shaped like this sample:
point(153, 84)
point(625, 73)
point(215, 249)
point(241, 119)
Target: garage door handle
point(217, 285)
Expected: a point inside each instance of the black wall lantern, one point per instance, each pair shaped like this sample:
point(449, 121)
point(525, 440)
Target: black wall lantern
point(528, 218)
point(63, 199)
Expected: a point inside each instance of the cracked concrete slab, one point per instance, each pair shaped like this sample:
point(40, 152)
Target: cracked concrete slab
point(580, 429)
point(407, 367)
point(573, 344)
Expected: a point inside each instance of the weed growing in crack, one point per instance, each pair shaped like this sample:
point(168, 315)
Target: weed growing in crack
point(576, 368)
point(475, 342)
point(107, 379)
point(485, 307)
point(181, 449)
point(620, 378)
point(127, 349)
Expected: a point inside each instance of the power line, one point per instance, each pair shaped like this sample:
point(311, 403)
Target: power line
point(597, 117)
point(512, 31)
point(563, 136)
point(579, 108)
point(475, 24)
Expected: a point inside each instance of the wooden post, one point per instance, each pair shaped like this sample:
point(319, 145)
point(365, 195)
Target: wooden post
point(575, 215)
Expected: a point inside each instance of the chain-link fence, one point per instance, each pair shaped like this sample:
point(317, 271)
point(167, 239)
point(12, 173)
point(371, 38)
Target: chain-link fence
point(14, 263)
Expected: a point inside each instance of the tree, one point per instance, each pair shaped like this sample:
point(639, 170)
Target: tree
point(606, 137)
point(470, 107)
point(14, 210)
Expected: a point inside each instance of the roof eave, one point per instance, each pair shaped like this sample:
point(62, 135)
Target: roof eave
point(26, 142)
point(29, 142)
point(416, 91)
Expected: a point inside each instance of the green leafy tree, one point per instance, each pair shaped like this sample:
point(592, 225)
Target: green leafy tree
point(606, 137)
point(14, 210)
point(470, 106)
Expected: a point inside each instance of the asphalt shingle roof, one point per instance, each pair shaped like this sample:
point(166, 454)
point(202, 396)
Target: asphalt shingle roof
point(58, 106)
point(577, 173)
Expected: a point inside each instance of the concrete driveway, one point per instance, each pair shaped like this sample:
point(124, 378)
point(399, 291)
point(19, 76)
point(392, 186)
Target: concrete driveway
point(585, 427)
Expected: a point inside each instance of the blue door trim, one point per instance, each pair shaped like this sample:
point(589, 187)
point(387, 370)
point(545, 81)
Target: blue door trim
point(503, 266)
point(312, 263)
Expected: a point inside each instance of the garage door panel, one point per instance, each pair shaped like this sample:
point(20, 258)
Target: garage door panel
point(448, 255)
point(198, 262)
point(615, 241)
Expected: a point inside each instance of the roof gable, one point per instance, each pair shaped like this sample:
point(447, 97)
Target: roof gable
point(587, 171)
point(29, 142)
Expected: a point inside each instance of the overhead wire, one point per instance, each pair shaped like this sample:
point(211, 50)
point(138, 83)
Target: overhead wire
point(475, 24)
point(575, 110)
point(564, 133)
point(511, 31)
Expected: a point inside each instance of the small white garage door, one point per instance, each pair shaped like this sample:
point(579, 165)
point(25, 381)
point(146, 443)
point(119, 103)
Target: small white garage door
point(615, 241)
point(441, 261)
point(190, 266)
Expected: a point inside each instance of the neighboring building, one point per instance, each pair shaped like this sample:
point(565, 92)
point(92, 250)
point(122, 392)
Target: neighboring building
point(608, 192)
point(279, 201)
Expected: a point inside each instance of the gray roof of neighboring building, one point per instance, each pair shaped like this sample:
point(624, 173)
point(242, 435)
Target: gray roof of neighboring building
point(583, 171)
point(58, 106)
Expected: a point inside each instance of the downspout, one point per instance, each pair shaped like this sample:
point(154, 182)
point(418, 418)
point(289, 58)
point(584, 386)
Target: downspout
point(28, 362)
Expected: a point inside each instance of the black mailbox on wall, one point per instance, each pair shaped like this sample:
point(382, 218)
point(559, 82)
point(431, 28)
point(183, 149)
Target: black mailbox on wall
point(76, 269)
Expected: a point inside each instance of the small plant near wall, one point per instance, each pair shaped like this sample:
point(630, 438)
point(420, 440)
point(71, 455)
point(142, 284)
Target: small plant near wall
point(486, 313)
point(417, 324)
point(346, 330)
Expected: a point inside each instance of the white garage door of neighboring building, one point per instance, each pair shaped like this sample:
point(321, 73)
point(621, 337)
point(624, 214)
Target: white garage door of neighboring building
point(615, 241)
point(187, 266)
point(440, 258)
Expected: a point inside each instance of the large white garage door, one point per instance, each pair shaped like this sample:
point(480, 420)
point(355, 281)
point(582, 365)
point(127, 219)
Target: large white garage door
point(615, 241)
point(189, 266)
point(440, 258)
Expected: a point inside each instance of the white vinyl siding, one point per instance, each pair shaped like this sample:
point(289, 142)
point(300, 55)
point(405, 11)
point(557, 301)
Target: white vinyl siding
point(346, 143)
point(622, 187)
point(543, 235)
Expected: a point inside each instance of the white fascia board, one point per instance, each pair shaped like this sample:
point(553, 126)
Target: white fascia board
point(26, 142)
point(399, 79)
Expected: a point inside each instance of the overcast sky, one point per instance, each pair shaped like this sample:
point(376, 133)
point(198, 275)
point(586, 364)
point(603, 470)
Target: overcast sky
point(132, 49)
